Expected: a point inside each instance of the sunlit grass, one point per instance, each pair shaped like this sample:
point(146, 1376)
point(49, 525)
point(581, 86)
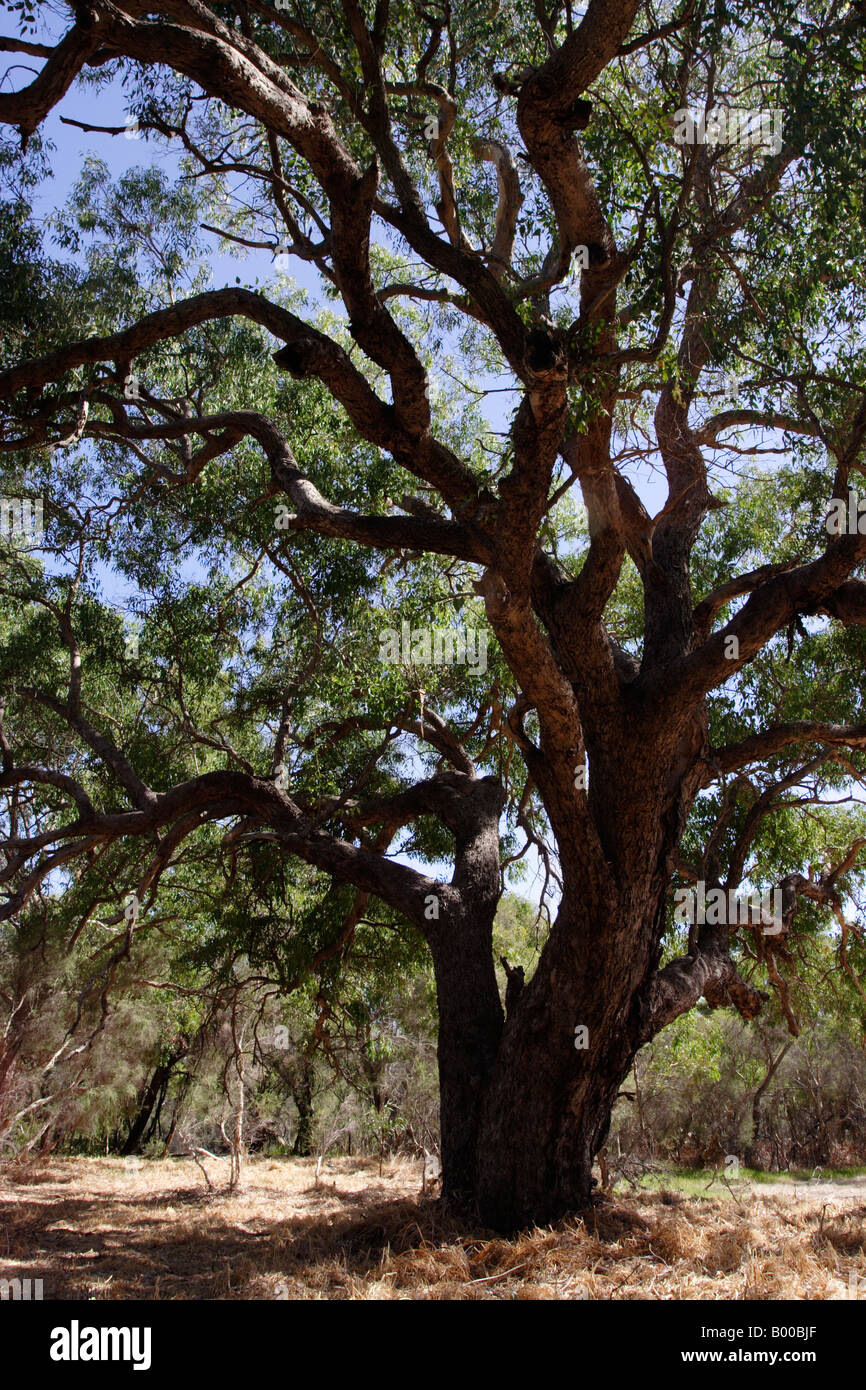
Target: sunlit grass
point(721, 1181)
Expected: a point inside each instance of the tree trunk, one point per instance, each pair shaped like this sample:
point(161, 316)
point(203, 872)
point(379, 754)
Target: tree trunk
point(547, 1110)
point(302, 1095)
point(470, 1029)
point(753, 1153)
point(152, 1092)
point(460, 936)
point(526, 1107)
point(11, 1042)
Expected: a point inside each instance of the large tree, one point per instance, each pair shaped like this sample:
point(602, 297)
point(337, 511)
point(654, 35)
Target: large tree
point(496, 197)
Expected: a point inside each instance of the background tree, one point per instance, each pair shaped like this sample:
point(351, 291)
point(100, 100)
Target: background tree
point(653, 305)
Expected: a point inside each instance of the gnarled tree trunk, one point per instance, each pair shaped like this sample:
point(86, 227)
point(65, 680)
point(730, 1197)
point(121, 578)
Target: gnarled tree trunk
point(527, 1100)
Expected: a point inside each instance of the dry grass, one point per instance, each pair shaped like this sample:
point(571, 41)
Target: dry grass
point(115, 1229)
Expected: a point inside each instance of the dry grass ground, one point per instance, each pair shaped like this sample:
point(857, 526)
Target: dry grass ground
point(125, 1229)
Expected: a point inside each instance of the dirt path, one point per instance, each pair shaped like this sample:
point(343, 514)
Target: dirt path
point(812, 1190)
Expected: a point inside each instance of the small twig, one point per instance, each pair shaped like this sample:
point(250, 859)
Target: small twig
point(195, 1154)
point(731, 1190)
point(490, 1278)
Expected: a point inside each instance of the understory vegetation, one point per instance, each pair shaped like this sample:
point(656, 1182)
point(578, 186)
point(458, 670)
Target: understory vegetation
point(207, 1054)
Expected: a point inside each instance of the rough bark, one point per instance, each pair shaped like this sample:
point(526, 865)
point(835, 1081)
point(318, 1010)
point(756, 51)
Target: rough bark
point(470, 1028)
